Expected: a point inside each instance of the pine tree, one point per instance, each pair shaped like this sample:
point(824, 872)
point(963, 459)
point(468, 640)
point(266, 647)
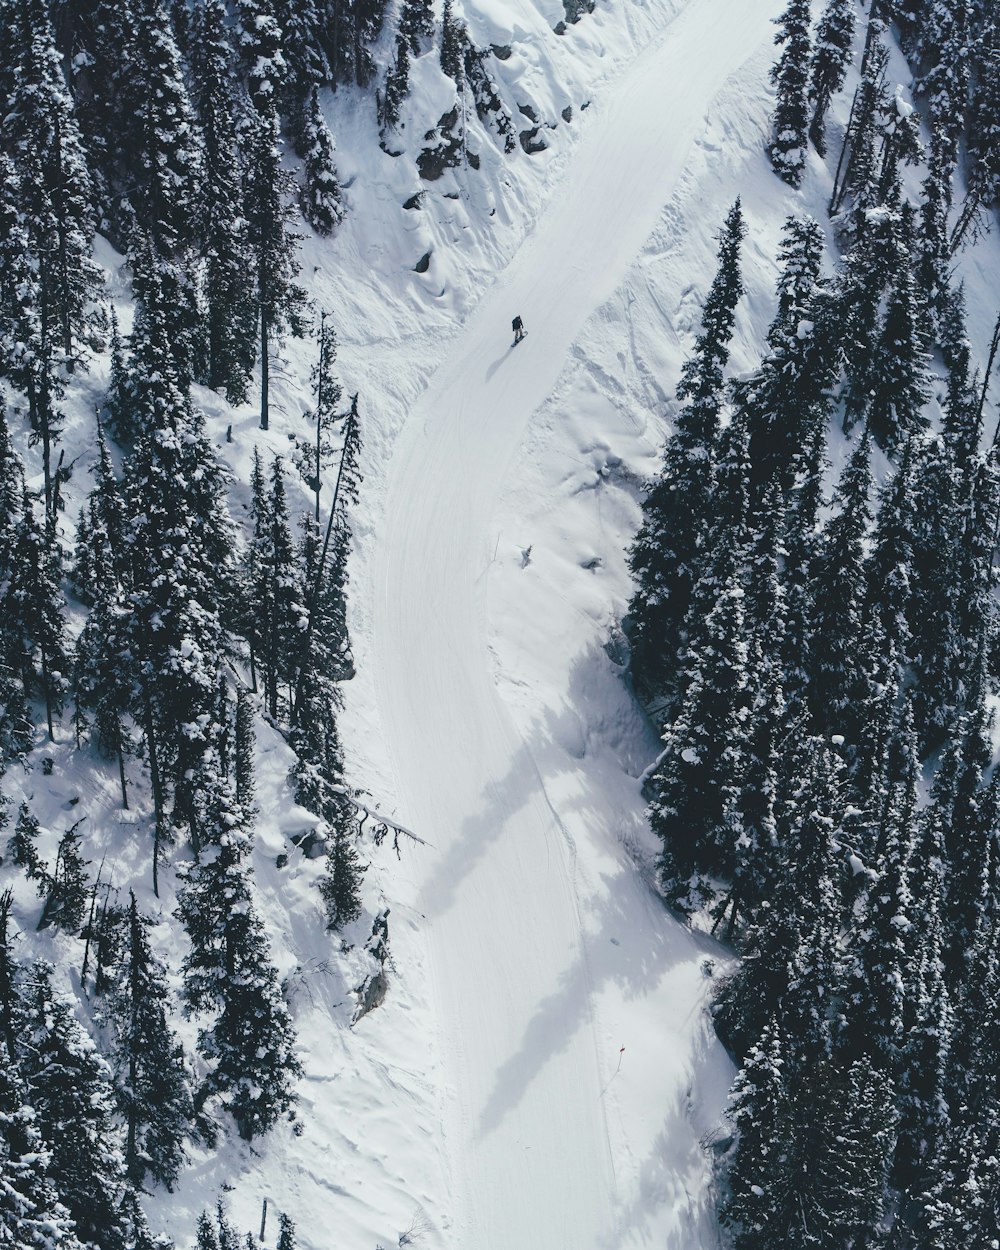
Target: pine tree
point(327, 393)
point(928, 1021)
point(99, 55)
point(340, 886)
point(881, 953)
point(665, 556)
point(250, 1042)
point(452, 39)
point(66, 901)
point(416, 24)
point(56, 192)
point(31, 1214)
point(898, 380)
point(34, 608)
point(790, 76)
point(168, 157)
point(69, 1090)
point(179, 570)
point(286, 1233)
point(230, 312)
point(22, 849)
point(320, 196)
point(278, 298)
point(832, 47)
point(862, 167)
point(789, 395)
point(838, 669)
point(284, 628)
point(150, 1079)
point(695, 788)
point(395, 89)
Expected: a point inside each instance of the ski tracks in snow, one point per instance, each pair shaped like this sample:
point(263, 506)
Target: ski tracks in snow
point(522, 1009)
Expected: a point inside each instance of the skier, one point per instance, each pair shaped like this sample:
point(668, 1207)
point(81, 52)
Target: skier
point(517, 325)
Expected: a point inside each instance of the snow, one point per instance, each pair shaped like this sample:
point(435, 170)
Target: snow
point(487, 1103)
point(516, 769)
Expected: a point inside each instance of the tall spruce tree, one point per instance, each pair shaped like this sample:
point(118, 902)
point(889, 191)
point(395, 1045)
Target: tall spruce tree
point(279, 299)
point(69, 1089)
point(665, 556)
point(229, 309)
point(832, 47)
point(150, 1079)
point(250, 1041)
point(790, 75)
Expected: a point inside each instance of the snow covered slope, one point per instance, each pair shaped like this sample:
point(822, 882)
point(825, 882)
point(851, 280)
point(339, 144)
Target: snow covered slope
point(546, 951)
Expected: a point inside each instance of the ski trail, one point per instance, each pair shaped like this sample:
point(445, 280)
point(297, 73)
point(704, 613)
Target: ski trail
point(527, 1134)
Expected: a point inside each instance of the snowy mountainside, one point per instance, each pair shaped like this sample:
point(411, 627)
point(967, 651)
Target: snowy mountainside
point(542, 1071)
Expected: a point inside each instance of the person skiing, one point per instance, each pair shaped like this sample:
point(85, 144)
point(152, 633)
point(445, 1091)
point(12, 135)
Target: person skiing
point(517, 325)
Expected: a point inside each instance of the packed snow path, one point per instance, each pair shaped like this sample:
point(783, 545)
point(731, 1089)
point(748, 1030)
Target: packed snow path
point(530, 1008)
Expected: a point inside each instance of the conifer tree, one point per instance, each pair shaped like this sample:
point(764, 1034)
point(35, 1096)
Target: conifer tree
point(22, 849)
point(790, 76)
point(279, 299)
point(838, 668)
point(881, 954)
point(100, 60)
point(453, 38)
point(66, 901)
point(69, 1089)
point(33, 604)
point(695, 788)
point(56, 191)
point(150, 1080)
point(250, 1041)
point(898, 379)
point(179, 570)
point(31, 1214)
point(416, 24)
point(327, 394)
point(286, 1233)
point(664, 559)
point(230, 312)
point(395, 89)
point(928, 1021)
point(320, 196)
point(832, 47)
point(862, 166)
point(789, 394)
point(168, 156)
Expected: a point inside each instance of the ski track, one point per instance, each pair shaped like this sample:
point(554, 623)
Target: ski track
point(535, 1147)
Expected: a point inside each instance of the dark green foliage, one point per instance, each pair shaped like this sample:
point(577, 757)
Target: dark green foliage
point(150, 1078)
point(31, 1214)
point(340, 887)
point(666, 553)
point(229, 310)
point(66, 900)
point(453, 38)
point(320, 197)
point(840, 667)
point(416, 24)
point(279, 299)
point(286, 1233)
point(790, 76)
point(68, 1087)
point(832, 46)
point(249, 1042)
point(22, 849)
point(813, 1173)
point(788, 399)
point(395, 89)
